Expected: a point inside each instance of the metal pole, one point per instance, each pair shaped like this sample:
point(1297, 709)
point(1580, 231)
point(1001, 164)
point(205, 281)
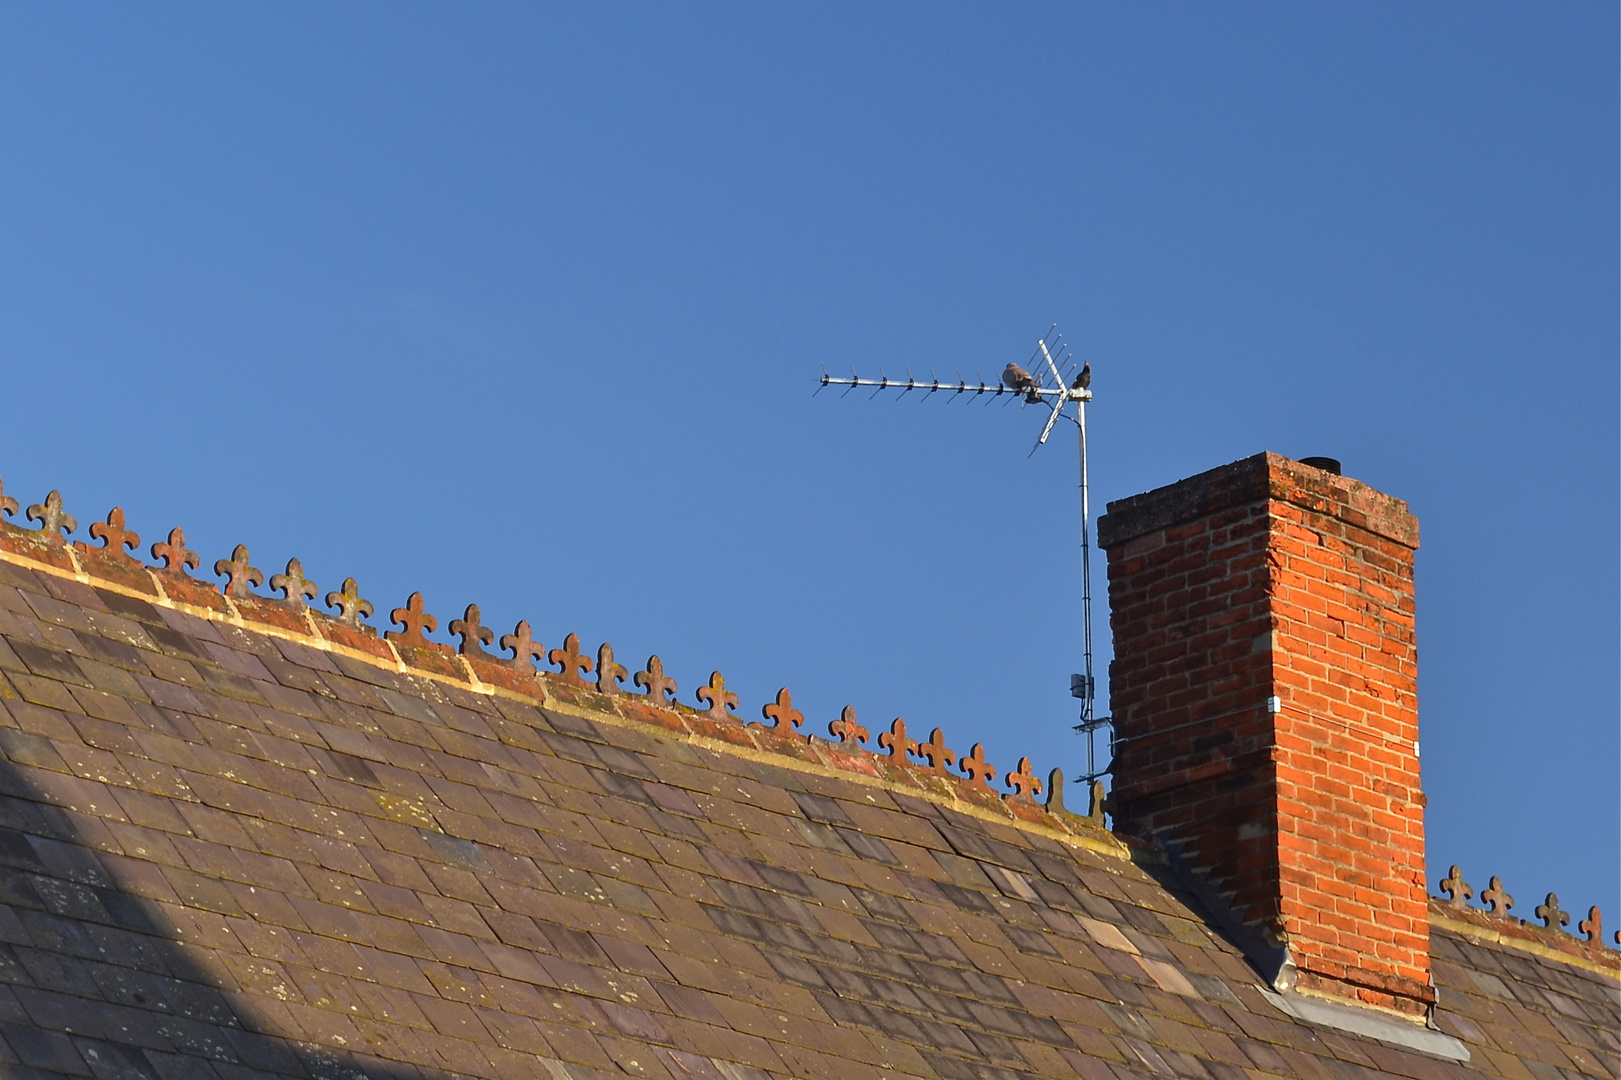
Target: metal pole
point(1086, 593)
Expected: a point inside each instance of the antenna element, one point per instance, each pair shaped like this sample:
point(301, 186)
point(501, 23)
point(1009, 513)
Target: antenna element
point(1051, 381)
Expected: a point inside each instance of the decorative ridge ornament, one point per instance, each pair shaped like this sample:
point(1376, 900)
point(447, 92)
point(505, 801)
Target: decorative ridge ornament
point(1593, 927)
point(1024, 783)
point(414, 619)
point(935, 752)
point(8, 505)
point(783, 713)
point(52, 521)
point(294, 587)
point(1055, 792)
point(1496, 900)
point(1548, 911)
point(526, 651)
point(720, 699)
point(114, 537)
point(238, 574)
point(848, 729)
point(474, 636)
point(1099, 804)
point(351, 608)
point(1456, 888)
point(895, 741)
point(659, 686)
point(174, 554)
point(573, 665)
point(609, 671)
point(977, 769)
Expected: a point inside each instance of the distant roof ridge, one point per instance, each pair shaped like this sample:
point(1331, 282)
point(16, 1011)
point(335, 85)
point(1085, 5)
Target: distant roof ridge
point(1549, 940)
point(470, 666)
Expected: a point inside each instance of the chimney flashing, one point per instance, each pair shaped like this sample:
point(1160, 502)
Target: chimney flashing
point(1372, 1022)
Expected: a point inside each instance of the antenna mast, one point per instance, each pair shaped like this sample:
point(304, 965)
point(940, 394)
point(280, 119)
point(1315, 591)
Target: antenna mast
point(1047, 383)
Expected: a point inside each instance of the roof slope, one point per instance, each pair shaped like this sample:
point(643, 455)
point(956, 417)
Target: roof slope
point(252, 852)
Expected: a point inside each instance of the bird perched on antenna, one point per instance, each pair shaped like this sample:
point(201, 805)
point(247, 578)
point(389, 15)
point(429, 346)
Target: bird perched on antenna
point(1084, 379)
point(1016, 378)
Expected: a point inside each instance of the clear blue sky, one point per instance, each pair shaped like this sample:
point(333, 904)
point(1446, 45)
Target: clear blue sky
point(525, 307)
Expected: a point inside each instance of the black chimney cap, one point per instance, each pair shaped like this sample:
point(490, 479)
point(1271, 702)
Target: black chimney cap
point(1327, 464)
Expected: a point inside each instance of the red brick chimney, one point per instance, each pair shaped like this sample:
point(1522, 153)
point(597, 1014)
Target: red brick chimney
point(1264, 694)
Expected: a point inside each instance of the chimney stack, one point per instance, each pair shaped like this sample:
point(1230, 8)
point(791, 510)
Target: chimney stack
point(1264, 696)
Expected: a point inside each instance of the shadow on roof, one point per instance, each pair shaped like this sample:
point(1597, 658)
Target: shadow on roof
point(94, 981)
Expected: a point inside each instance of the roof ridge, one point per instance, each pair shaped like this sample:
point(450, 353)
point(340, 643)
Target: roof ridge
point(1549, 941)
point(471, 667)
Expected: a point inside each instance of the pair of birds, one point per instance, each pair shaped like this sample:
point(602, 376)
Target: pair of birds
point(1017, 379)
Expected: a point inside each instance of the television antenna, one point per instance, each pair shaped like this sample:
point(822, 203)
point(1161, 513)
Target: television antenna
point(1053, 382)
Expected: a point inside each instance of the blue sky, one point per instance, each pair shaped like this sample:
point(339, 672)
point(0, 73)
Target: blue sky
point(525, 307)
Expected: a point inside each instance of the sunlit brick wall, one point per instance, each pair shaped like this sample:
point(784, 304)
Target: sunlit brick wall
point(1264, 690)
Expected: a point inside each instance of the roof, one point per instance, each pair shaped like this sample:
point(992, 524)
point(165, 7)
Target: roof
point(240, 838)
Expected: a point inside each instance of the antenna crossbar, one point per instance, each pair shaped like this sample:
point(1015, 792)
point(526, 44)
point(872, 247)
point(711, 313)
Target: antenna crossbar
point(961, 386)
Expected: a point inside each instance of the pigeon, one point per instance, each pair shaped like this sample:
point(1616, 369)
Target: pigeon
point(1084, 379)
point(1015, 377)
